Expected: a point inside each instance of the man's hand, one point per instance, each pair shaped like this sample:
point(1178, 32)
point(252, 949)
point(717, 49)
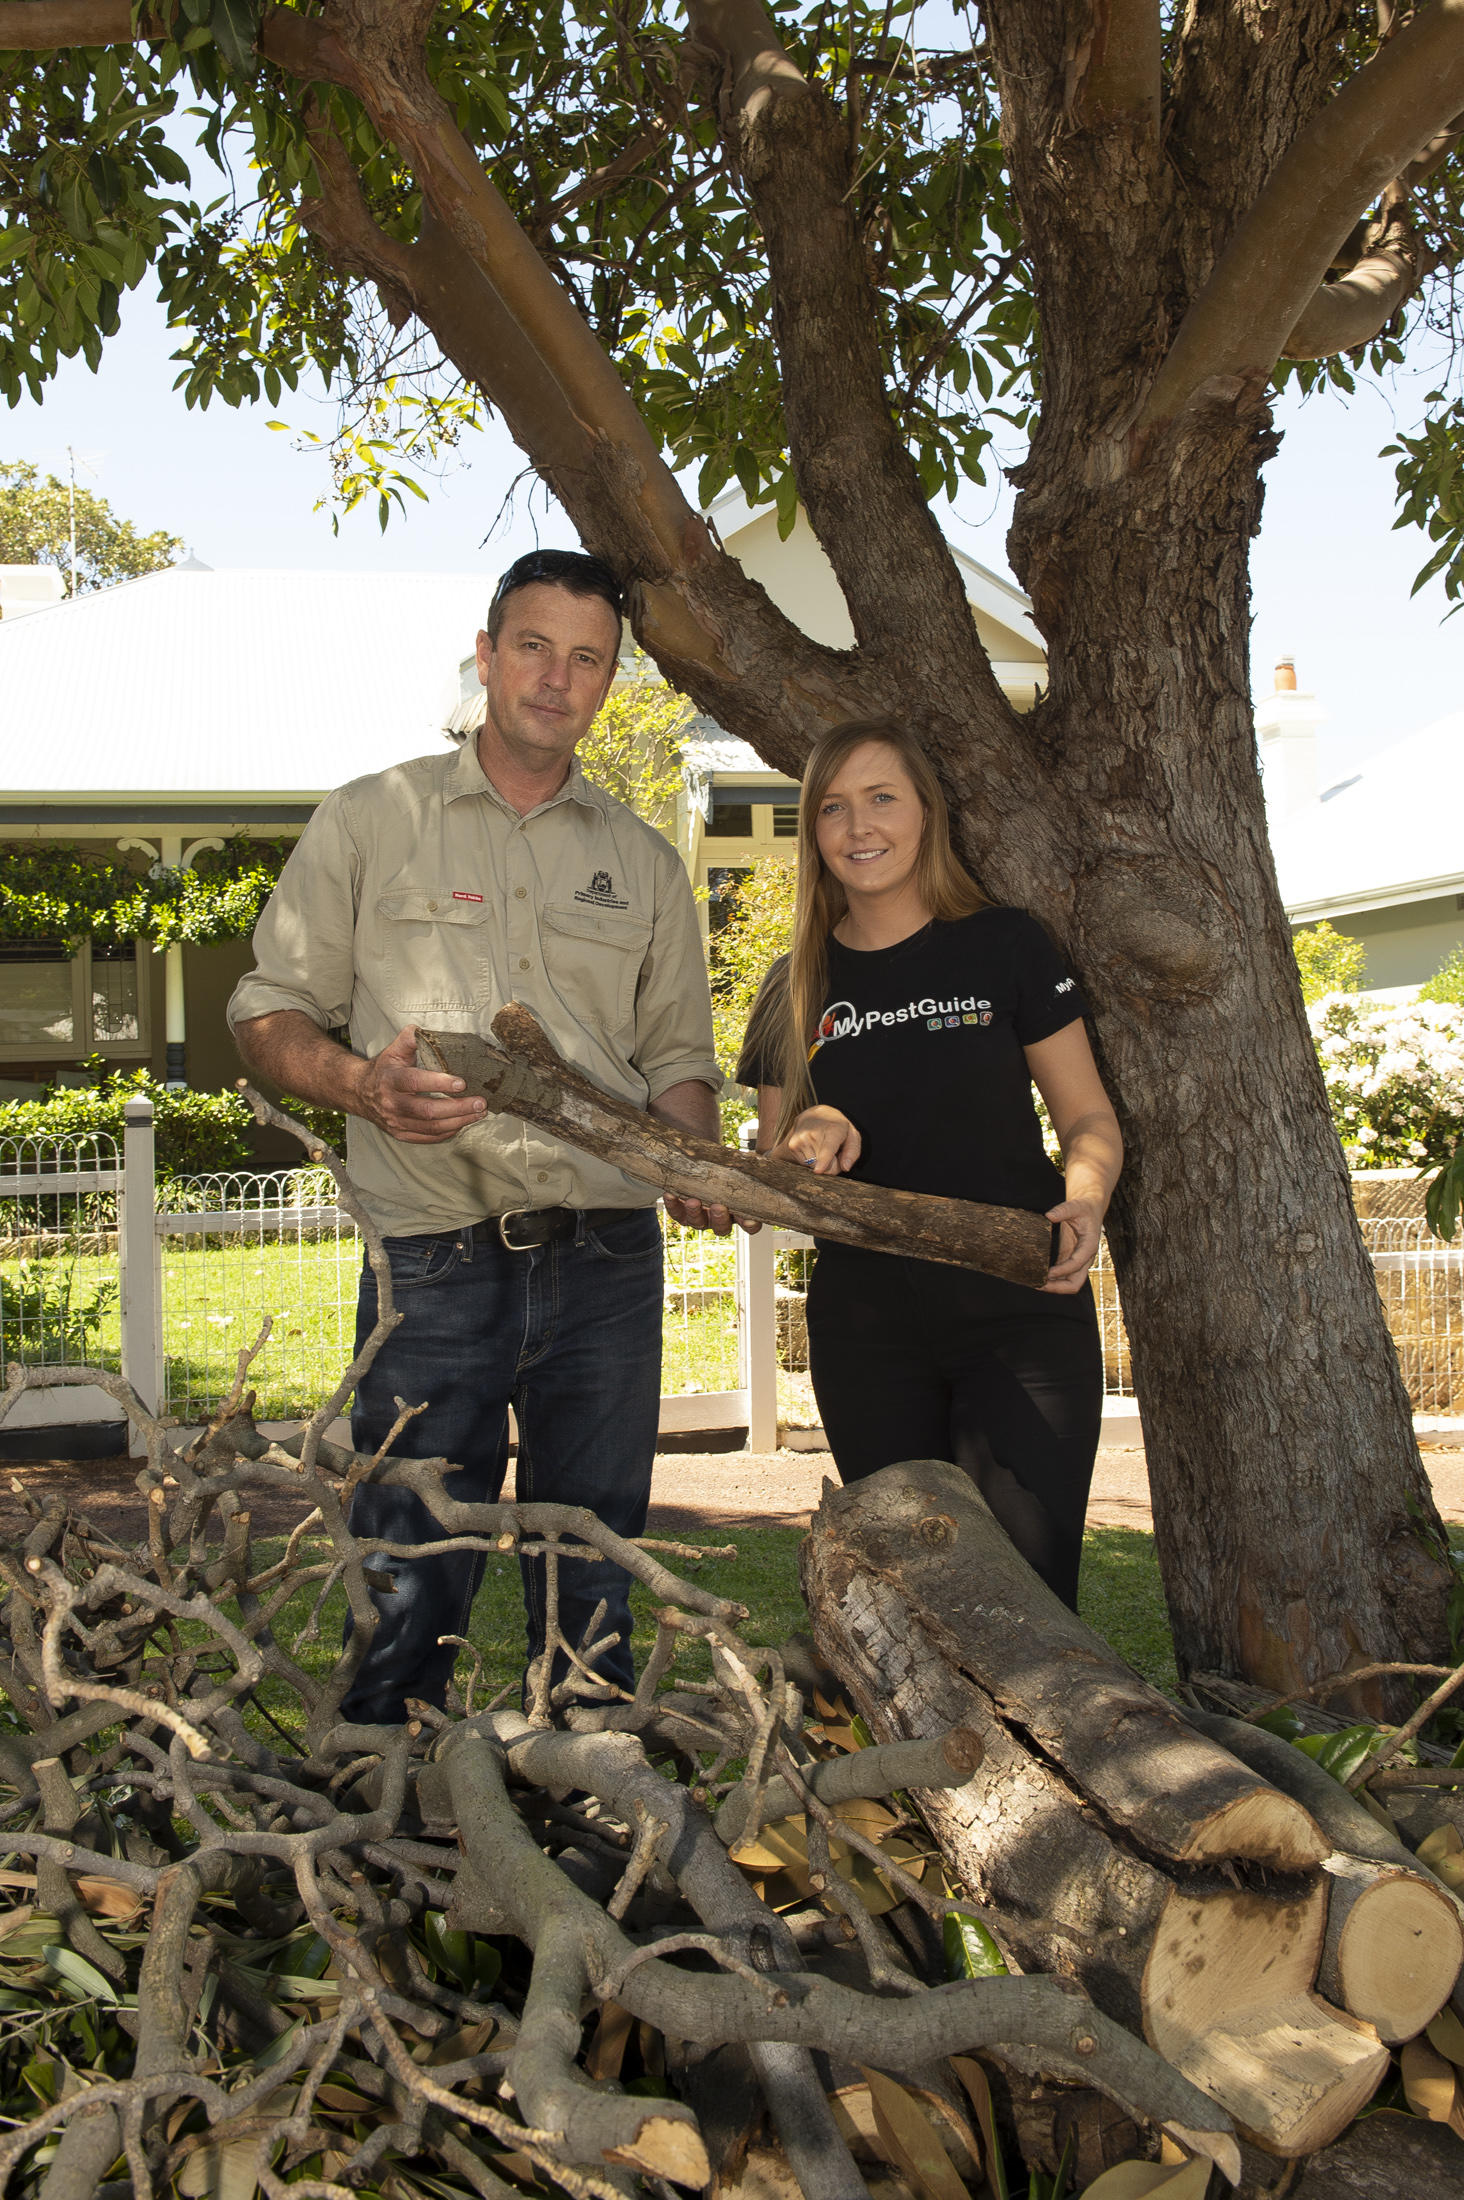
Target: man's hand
point(419, 1107)
point(694, 1214)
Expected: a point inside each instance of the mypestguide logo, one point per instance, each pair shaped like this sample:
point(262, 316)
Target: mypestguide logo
point(842, 1020)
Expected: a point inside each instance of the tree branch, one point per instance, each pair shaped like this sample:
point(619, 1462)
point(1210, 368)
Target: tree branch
point(855, 475)
point(1354, 308)
point(1334, 170)
point(294, 42)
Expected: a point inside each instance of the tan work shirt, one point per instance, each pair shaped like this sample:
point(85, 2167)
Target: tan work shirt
point(420, 896)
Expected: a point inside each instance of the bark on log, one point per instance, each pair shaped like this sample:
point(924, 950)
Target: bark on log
point(532, 1081)
point(1394, 1942)
point(1112, 1842)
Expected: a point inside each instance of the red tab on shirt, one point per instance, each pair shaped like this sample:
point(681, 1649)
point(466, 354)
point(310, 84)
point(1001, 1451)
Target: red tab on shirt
point(459, 895)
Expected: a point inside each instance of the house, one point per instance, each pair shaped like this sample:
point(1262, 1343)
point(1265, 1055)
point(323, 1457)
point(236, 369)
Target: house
point(168, 714)
point(1379, 853)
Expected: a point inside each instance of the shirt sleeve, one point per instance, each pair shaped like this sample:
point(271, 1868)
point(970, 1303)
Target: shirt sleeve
point(760, 1062)
point(1048, 996)
point(304, 940)
point(673, 1003)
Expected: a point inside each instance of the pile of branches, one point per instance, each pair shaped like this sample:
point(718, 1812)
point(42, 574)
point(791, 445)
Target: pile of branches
point(332, 1958)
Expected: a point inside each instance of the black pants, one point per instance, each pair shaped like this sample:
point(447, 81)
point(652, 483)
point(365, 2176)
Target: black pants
point(912, 1360)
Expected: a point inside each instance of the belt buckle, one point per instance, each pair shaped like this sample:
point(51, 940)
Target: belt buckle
point(505, 1240)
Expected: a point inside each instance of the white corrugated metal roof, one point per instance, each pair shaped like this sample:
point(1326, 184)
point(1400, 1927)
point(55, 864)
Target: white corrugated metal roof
point(244, 682)
point(1392, 833)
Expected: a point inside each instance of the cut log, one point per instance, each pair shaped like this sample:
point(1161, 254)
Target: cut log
point(527, 1078)
point(1385, 2157)
point(1394, 1943)
point(1110, 1840)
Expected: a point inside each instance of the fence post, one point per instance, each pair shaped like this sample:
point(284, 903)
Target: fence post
point(141, 1261)
point(760, 1338)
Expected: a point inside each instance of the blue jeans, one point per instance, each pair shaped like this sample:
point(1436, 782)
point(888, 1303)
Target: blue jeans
point(568, 1333)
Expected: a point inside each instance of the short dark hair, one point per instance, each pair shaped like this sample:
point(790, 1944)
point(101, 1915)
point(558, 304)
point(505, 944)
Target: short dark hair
point(571, 569)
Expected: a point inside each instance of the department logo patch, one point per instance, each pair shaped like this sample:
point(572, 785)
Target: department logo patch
point(601, 891)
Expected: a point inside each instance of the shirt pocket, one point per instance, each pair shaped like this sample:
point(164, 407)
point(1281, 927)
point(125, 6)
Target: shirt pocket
point(593, 958)
point(433, 951)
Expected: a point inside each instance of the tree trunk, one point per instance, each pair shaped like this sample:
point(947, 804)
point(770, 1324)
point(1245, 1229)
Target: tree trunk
point(1281, 1457)
point(1109, 1840)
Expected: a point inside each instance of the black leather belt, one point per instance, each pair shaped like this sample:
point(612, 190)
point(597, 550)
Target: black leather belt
point(527, 1227)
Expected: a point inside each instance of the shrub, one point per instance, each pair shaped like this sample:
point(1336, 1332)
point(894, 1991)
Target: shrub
point(196, 1133)
point(1395, 1078)
point(757, 929)
point(1447, 982)
point(1329, 962)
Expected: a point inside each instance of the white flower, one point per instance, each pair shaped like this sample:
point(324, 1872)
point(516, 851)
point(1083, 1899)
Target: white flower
point(1367, 1136)
point(1417, 1151)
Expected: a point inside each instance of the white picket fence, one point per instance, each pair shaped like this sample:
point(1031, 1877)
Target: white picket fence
point(95, 1267)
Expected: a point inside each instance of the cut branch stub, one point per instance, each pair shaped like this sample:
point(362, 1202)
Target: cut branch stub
point(531, 1081)
point(1107, 1840)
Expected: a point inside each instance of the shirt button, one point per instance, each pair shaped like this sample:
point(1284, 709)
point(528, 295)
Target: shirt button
point(432, 905)
point(543, 1176)
point(521, 893)
point(524, 963)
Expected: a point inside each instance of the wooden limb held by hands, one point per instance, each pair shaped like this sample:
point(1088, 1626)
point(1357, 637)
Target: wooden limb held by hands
point(524, 1076)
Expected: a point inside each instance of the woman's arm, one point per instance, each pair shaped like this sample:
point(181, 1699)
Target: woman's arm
point(1066, 1075)
point(821, 1138)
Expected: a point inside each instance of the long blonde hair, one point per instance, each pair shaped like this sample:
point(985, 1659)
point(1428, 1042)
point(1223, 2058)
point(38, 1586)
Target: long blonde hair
point(946, 888)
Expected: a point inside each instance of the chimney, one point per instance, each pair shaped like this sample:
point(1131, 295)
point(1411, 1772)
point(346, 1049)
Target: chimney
point(1286, 729)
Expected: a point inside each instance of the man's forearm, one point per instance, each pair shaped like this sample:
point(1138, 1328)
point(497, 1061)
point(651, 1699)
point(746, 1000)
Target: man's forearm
point(298, 1057)
point(691, 1106)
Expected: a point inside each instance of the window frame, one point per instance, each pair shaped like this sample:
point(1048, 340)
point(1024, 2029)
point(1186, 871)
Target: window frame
point(85, 1043)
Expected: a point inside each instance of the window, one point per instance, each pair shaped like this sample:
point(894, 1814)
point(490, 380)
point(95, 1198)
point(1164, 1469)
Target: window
point(729, 820)
point(785, 821)
point(52, 1003)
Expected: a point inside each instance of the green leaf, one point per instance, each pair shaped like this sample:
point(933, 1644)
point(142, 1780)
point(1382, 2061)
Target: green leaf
point(970, 1951)
point(1283, 1721)
point(74, 1971)
point(1340, 1753)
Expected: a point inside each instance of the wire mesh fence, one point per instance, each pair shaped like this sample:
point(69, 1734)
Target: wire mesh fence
point(235, 1248)
point(60, 1294)
point(1422, 1287)
point(227, 1249)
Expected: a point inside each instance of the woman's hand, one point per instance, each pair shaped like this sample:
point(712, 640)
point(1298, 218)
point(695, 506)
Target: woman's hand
point(1080, 1226)
point(823, 1140)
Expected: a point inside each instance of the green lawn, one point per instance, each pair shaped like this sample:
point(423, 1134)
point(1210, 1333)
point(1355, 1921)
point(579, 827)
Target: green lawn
point(218, 1291)
point(1121, 1598)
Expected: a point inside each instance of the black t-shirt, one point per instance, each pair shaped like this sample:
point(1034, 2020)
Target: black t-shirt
point(920, 1045)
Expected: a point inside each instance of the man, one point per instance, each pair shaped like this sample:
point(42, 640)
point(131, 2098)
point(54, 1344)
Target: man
point(526, 1272)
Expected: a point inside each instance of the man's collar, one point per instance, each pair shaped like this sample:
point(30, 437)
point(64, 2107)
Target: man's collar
point(467, 776)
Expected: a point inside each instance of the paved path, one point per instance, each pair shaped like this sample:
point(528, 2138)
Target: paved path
point(693, 1491)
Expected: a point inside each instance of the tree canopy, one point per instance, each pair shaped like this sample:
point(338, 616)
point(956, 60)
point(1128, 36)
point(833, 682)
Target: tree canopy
point(603, 128)
point(35, 529)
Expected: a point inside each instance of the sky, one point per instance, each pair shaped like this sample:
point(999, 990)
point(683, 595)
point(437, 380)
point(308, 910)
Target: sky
point(1331, 579)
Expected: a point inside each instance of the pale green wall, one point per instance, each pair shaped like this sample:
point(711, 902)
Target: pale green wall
point(1406, 943)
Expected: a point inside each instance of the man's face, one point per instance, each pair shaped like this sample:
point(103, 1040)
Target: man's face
point(548, 672)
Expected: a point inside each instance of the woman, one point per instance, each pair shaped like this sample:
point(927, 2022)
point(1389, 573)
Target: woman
point(901, 1039)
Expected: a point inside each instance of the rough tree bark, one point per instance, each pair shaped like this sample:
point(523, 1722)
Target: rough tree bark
point(530, 1080)
point(1112, 1841)
point(1179, 239)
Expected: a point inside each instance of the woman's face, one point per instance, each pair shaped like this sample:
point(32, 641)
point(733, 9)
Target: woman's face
point(870, 824)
